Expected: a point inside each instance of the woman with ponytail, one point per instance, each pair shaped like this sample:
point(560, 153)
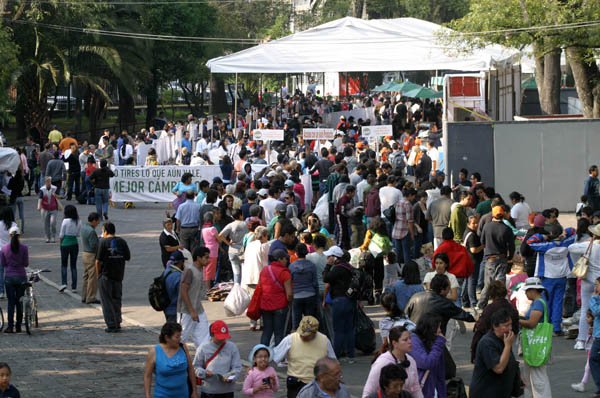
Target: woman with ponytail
point(397, 353)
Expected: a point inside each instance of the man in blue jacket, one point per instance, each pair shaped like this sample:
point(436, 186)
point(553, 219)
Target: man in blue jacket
point(173, 272)
point(552, 267)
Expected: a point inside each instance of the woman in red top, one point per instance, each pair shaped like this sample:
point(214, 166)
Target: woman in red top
point(276, 285)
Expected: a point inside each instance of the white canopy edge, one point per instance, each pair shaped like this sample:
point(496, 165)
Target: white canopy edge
point(357, 45)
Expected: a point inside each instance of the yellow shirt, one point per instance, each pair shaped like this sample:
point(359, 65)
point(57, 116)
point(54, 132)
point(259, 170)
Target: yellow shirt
point(55, 136)
point(302, 356)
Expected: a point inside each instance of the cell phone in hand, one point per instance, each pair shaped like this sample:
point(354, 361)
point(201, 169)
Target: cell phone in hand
point(267, 381)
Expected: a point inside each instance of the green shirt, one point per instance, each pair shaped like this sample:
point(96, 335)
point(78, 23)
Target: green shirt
point(484, 207)
point(89, 238)
point(458, 222)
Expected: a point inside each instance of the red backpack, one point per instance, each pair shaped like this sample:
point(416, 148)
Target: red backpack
point(373, 203)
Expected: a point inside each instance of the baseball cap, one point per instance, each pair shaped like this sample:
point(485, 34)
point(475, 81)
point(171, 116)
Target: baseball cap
point(498, 212)
point(271, 174)
point(289, 183)
point(335, 251)
point(539, 221)
point(263, 192)
point(280, 207)
point(308, 325)
point(251, 194)
point(14, 230)
point(177, 256)
point(220, 330)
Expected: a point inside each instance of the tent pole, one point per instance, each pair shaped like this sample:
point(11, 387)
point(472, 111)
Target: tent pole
point(347, 84)
point(235, 107)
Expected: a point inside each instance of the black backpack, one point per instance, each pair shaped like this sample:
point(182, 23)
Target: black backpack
point(158, 294)
point(357, 284)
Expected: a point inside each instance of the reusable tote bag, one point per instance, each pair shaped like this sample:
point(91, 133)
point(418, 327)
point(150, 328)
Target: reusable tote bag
point(537, 343)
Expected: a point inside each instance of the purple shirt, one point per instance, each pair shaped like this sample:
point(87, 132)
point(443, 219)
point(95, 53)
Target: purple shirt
point(14, 263)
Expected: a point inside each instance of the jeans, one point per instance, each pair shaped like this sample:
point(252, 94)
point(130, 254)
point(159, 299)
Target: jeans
point(459, 292)
point(472, 286)
point(74, 180)
point(495, 270)
point(49, 218)
point(88, 190)
point(14, 291)
point(65, 253)
point(403, 247)
point(570, 301)
point(101, 197)
point(18, 205)
point(418, 243)
point(587, 289)
point(236, 265)
point(595, 363)
point(481, 276)
point(273, 325)
point(555, 287)
point(111, 292)
point(344, 312)
point(301, 307)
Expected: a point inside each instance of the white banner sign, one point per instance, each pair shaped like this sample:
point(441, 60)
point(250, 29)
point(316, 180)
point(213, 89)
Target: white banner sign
point(377, 131)
point(155, 183)
point(318, 134)
point(268, 135)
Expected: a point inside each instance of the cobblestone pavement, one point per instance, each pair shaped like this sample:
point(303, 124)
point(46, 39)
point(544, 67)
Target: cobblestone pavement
point(71, 356)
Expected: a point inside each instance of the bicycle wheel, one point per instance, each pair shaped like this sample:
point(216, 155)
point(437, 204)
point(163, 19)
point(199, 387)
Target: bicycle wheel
point(1, 320)
point(28, 318)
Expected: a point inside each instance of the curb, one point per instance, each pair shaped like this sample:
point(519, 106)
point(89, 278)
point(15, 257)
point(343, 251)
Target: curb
point(150, 329)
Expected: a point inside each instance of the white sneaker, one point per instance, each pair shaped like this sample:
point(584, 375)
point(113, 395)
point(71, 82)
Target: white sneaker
point(567, 321)
point(580, 345)
point(62, 288)
point(579, 387)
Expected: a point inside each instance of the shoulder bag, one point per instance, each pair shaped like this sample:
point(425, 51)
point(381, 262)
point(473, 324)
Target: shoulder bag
point(537, 342)
point(580, 268)
point(213, 356)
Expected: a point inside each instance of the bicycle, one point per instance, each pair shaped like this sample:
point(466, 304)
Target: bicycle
point(29, 300)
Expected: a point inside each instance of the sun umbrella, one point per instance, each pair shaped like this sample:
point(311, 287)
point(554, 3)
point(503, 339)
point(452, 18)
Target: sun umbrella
point(423, 92)
point(383, 87)
point(406, 86)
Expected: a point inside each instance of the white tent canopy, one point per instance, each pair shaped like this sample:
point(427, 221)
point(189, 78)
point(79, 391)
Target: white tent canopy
point(357, 45)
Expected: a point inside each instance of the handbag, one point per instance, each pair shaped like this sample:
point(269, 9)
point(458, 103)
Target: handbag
point(213, 356)
point(390, 213)
point(537, 343)
point(253, 310)
point(449, 364)
point(580, 268)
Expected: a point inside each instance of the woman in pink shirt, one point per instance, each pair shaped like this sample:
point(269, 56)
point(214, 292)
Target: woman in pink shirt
point(397, 354)
point(211, 238)
point(261, 380)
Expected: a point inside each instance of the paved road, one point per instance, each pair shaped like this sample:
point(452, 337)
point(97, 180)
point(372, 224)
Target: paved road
point(71, 356)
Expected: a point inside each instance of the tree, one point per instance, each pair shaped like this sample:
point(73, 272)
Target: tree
point(178, 61)
point(491, 15)
point(8, 63)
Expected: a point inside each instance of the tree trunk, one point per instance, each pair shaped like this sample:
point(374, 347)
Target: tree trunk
point(550, 99)
point(587, 81)
point(96, 112)
point(126, 118)
point(152, 99)
point(35, 106)
point(218, 99)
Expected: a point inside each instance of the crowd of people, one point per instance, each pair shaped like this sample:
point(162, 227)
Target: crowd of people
point(327, 227)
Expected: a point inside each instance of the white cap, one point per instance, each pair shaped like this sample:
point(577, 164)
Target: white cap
point(335, 251)
point(14, 230)
point(263, 192)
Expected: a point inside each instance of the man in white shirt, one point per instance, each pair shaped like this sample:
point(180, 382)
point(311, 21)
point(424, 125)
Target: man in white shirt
point(101, 142)
point(434, 155)
point(270, 203)
point(389, 195)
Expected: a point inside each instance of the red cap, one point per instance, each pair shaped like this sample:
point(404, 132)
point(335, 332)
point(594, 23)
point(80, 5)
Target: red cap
point(220, 330)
